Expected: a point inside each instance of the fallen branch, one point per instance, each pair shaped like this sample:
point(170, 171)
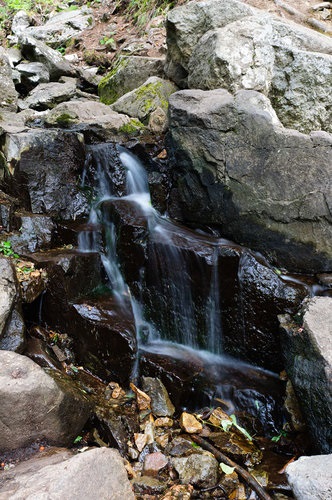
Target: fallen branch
point(248, 478)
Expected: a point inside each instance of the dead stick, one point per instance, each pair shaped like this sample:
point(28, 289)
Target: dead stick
point(248, 478)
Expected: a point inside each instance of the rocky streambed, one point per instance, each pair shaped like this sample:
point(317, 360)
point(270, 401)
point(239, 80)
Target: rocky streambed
point(206, 364)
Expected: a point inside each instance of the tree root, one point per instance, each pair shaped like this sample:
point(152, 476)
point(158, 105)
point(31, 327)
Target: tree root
point(248, 478)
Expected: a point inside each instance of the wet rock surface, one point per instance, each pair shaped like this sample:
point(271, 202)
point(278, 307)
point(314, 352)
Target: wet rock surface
point(307, 354)
point(52, 188)
point(8, 291)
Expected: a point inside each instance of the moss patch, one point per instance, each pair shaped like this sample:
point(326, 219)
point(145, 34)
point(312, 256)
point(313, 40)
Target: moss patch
point(107, 85)
point(132, 128)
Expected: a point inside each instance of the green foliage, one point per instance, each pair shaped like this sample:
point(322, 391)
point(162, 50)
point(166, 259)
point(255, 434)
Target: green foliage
point(6, 249)
point(241, 429)
point(281, 434)
point(78, 439)
point(142, 11)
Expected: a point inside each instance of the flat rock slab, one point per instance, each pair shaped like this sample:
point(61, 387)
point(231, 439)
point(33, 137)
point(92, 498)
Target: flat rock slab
point(95, 474)
point(311, 477)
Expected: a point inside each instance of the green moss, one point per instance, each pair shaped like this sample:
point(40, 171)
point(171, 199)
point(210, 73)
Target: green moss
point(107, 85)
point(65, 119)
point(149, 94)
point(132, 128)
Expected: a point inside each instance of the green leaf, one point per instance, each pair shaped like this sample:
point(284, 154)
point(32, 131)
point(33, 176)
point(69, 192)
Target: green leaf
point(226, 468)
point(226, 424)
point(78, 439)
point(241, 429)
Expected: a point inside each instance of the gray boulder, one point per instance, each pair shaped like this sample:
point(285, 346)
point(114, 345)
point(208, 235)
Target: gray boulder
point(282, 61)
point(8, 291)
point(311, 477)
point(47, 406)
point(141, 102)
point(129, 73)
point(308, 361)
point(96, 473)
point(188, 23)
point(33, 73)
point(37, 51)
point(265, 186)
point(44, 167)
point(48, 95)
point(8, 94)
point(34, 233)
point(58, 29)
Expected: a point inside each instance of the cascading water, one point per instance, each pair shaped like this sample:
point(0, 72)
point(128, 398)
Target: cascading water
point(194, 325)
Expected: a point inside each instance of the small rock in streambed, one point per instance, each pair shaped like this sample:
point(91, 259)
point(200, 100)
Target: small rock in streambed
point(161, 404)
point(154, 463)
point(190, 424)
point(197, 469)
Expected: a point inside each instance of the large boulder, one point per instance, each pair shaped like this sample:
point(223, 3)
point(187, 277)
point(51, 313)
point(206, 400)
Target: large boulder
point(129, 73)
point(310, 477)
point(8, 291)
point(263, 53)
point(265, 186)
point(47, 406)
point(44, 170)
point(306, 346)
point(188, 23)
point(8, 99)
point(97, 473)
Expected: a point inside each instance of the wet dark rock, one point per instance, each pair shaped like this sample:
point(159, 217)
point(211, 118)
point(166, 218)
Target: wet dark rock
point(172, 270)
point(96, 473)
point(59, 408)
point(193, 381)
point(8, 292)
point(221, 176)
point(70, 275)
point(104, 337)
point(236, 447)
point(307, 353)
point(13, 338)
point(179, 447)
point(161, 404)
point(37, 350)
point(8, 205)
point(51, 188)
point(35, 233)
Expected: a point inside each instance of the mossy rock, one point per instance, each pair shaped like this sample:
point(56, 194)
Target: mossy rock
point(140, 103)
point(127, 74)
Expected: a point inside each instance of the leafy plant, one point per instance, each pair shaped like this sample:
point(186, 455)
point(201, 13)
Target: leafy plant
point(277, 438)
point(241, 429)
point(6, 249)
point(108, 41)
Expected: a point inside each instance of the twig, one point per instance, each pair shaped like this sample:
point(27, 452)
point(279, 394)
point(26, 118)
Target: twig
point(248, 478)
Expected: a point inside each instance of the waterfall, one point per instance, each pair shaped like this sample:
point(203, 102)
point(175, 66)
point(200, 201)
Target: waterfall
point(187, 301)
